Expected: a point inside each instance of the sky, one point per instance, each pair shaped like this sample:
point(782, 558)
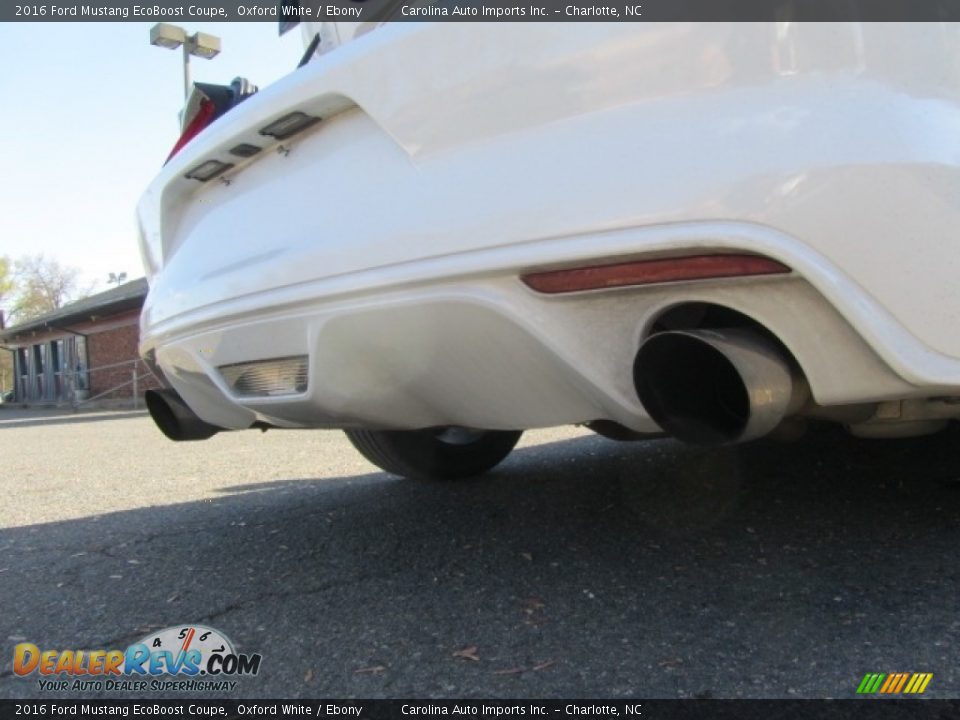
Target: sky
point(89, 115)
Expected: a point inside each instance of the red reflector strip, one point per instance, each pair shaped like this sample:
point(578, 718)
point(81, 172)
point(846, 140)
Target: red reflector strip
point(648, 272)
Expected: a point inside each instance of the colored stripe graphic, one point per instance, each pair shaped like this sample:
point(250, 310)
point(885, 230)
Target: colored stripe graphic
point(894, 683)
point(903, 681)
point(891, 683)
point(918, 683)
point(870, 683)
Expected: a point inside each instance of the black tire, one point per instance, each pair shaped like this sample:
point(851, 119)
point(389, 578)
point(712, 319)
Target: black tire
point(442, 454)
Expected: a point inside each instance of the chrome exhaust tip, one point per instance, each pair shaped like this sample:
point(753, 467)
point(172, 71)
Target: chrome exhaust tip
point(713, 387)
point(175, 419)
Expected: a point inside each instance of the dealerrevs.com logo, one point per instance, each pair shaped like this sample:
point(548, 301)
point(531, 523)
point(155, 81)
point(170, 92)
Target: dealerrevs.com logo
point(185, 658)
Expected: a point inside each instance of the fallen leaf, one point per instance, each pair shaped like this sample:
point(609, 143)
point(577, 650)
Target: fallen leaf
point(510, 671)
point(544, 665)
point(527, 556)
point(468, 653)
point(374, 670)
point(308, 676)
point(672, 662)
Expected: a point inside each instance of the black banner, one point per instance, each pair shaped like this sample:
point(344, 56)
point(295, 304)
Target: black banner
point(492, 709)
point(479, 10)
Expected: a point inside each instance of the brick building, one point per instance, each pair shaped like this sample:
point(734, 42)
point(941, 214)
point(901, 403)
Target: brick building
point(83, 351)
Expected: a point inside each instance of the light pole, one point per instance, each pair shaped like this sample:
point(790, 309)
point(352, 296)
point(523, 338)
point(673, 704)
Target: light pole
point(200, 44)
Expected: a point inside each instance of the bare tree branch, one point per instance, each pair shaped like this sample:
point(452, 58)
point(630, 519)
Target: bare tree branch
point(42, 285)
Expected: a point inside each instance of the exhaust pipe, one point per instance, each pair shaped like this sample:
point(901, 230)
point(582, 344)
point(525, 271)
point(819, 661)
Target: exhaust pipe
point(713, 387)
point(175, 419)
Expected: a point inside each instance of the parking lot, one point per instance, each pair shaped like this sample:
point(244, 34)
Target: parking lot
point(580, 568)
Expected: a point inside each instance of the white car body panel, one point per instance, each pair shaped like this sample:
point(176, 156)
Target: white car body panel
point(387, 242)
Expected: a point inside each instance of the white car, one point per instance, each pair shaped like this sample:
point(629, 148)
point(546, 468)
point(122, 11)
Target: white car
point(435, 236)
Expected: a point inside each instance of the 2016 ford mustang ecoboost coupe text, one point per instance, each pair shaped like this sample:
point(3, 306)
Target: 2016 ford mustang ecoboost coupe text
point(435, 236)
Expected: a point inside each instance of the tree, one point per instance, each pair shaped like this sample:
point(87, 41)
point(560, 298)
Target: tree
point(6, 359)
point(42, 285)
point(6, 279)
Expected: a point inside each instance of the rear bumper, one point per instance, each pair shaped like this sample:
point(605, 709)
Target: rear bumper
point(429, 346)
point(385, 243)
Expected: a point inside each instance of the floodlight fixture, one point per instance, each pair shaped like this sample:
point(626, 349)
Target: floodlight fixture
point(202, 45)
point(167, 36)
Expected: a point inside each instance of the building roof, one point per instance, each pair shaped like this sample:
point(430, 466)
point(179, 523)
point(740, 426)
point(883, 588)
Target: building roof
point(128, 296)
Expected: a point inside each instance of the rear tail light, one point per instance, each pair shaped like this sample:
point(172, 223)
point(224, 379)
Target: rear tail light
point(648, 272)
point(206, 113)
point(206, 103)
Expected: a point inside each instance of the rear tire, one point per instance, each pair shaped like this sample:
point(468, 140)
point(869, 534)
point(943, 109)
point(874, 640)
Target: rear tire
point(440, 454)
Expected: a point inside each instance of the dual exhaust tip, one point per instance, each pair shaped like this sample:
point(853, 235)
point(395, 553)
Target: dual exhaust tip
point(714, 387)
point(707, 387)
point(175, 419)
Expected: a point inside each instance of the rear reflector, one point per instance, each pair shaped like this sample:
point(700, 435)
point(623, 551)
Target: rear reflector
point(649, 272)
point(267, 378)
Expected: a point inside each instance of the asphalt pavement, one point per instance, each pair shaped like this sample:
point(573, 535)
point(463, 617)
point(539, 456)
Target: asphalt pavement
point(581, 567)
